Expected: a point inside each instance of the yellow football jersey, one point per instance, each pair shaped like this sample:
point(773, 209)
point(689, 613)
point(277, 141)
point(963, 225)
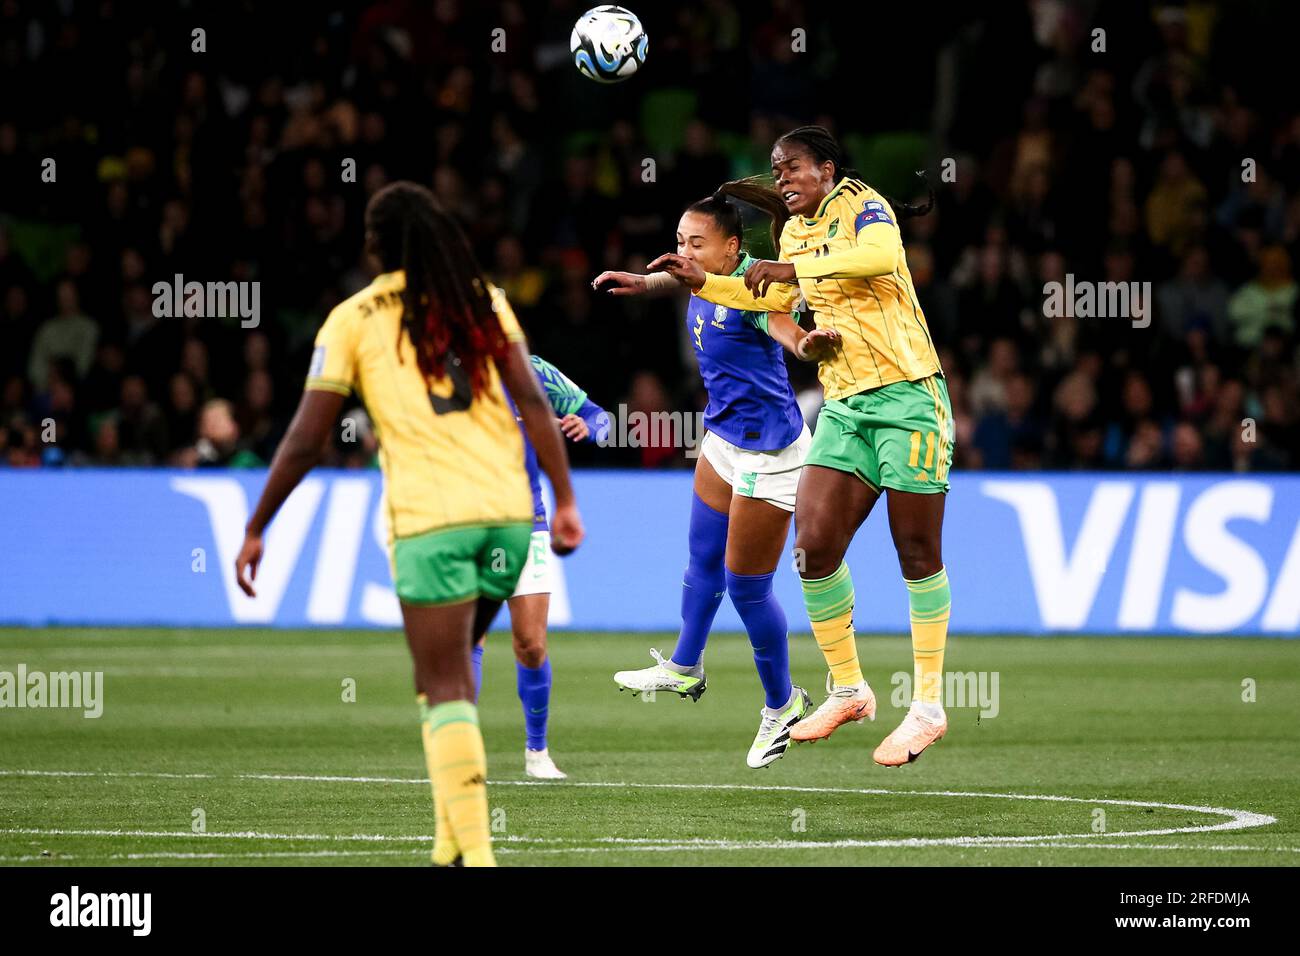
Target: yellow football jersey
point(446, 460)
point(849, 260)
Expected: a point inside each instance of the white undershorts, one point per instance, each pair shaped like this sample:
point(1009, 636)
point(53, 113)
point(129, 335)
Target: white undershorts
point(537, 576)
point(770, 476)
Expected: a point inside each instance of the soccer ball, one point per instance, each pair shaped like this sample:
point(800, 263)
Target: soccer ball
point(608, 44)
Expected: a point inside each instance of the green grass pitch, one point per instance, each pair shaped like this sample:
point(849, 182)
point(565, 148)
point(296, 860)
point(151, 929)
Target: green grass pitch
point(245, 735)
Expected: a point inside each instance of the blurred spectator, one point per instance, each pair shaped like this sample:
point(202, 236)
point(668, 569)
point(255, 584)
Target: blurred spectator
point(71, 334)
point(1123, 168)
point(218, 442)
point(1267, 301)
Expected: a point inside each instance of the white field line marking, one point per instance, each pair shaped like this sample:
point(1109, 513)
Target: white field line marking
point(64, 857)
point(1237, 819)
point(753, 845)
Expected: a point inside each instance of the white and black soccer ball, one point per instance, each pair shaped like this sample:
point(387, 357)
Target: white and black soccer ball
point(608, 44)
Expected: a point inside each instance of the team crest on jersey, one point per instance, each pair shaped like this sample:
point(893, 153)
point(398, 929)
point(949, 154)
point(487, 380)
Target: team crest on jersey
point(872, 211)
point(720, 317)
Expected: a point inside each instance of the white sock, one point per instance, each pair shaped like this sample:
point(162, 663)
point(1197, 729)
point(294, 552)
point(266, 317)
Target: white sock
point(676, 668)
point(928, 711)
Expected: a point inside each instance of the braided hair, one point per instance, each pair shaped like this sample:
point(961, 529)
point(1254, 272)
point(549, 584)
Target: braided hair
point(823, 147)
point(447, 308)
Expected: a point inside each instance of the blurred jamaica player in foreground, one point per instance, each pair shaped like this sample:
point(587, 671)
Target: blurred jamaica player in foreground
point(429, 345)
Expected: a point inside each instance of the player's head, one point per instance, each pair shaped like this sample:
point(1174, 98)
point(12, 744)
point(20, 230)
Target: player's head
point(711, 232)
point(808, 162)
point(446, 304)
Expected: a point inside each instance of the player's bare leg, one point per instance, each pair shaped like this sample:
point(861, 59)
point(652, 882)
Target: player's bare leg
point(829, 508)
point(440, 638)
point(916, 523)
point(528, 614)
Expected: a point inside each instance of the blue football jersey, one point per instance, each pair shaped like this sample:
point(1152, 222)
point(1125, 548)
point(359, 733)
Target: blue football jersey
point(751, 402)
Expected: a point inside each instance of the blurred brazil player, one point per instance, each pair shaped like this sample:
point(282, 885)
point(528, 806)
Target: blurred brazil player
point(429, 345)
point(580, 419)
point(747, 472)
point(886, 425)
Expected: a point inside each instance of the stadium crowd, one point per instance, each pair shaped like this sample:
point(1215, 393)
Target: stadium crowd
point(1163, 158)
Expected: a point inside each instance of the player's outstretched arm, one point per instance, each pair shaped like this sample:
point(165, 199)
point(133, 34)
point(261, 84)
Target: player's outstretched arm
point(539, 421)
point(300, 449)
point(767, 286)
point(632, 283)
point(875, 253)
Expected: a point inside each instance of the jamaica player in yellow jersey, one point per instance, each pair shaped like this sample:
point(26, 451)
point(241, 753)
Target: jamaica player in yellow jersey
point(886, 424)
point(429, 345)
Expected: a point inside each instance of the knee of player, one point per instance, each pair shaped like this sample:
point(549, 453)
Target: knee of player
point(748, 588)
point(530, 646)
point(815, 555)
point(918, 556)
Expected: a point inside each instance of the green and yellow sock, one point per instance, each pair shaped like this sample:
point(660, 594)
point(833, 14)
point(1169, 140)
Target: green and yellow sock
point(445, 848)
point(453, 749)
point(829, 601)
point(930, 601)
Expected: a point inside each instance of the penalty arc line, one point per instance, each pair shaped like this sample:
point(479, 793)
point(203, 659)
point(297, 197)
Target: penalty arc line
point(1237, 819)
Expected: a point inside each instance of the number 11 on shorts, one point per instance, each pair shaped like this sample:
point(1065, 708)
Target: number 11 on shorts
point(916, 450)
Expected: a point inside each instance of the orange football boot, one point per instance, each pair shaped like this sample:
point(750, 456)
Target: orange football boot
point(842, 705)
point(909, 740)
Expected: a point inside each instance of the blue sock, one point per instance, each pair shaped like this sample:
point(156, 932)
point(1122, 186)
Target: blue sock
point(765, 622)
point(703, 584)
point(534, 685)
point(476, 662)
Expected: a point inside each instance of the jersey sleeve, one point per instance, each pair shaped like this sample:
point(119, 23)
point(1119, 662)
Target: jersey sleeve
point(506, 316)
point(597, 419)
point(334, 359)
point(877, 247)
point(731, 292)
point(563, 393)
point(758, 320)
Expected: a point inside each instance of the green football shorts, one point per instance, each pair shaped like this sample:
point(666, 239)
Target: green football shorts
point(459, 564)
point(898, 436)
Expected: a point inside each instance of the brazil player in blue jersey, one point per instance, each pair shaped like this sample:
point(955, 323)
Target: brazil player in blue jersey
point(745, 477)
point(580, 419)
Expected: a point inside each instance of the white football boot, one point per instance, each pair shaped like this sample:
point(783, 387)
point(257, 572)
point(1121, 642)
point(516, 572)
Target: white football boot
point(538, 764)
point(774, 729)
point(648, 680)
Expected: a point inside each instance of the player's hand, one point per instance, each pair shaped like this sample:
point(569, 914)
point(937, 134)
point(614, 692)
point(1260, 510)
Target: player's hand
point(764, 272)
point(817, 346)
point(246, 562)
point(566, 529)
point(619, 283)
point(684, 270)
point(574, 428)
